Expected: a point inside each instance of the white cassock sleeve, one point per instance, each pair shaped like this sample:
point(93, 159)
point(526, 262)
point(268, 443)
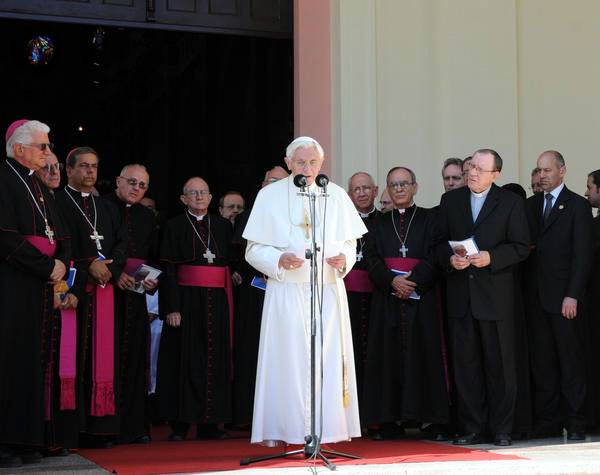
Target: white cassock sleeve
point(349, 250)
point(265, 259)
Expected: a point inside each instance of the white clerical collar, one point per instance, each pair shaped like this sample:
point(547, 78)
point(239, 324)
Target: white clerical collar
point(198, 218)
point(127, 205)
point(31, 172)
point(483, 194)
point(555, 192)
point(83, 194)
point(366, 215)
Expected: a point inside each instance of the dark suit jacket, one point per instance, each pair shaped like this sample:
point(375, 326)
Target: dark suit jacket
point(561, 259)
point(501, 229)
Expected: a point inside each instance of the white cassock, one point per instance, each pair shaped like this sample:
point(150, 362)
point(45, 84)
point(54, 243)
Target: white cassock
point(282, 402)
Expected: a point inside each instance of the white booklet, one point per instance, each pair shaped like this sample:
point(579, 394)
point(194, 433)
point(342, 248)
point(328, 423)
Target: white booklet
point(142, 273)
point(465, 248)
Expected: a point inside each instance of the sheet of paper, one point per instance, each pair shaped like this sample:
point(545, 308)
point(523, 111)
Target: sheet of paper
point(467, 247)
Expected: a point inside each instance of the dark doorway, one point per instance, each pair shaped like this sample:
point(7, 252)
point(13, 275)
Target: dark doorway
point(183, 104)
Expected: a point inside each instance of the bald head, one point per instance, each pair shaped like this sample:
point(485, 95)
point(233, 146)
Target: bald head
point(196, 196)
point(274, 174)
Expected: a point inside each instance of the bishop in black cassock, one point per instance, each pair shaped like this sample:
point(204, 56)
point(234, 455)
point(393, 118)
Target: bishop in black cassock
point(34, 251)
point(98, 245)
point(406, 374)
point(194, 362)
point(359, 287)
point(139, 224)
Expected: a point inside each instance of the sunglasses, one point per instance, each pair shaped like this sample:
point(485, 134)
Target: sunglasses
point(40, 146)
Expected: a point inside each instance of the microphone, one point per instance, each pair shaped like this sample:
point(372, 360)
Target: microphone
point(300, 181)
point(322, 181)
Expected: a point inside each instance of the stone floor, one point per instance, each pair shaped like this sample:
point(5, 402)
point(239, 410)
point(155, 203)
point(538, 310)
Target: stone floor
point(547, 456)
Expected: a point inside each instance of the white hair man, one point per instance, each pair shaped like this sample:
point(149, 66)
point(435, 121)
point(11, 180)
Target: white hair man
point(278, 234)
point(34, 253)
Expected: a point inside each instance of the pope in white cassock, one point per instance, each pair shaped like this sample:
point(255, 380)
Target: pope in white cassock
point(278, 234)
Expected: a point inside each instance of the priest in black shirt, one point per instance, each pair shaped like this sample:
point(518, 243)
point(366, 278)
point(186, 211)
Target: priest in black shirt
point(98, 246)
point(194, 362)
point(34, 253)
point(362, 191)
point(405, 373)
point(140, 226)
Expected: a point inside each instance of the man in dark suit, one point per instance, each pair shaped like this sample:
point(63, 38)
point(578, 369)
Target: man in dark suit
point(480, 297)
point(561, 227)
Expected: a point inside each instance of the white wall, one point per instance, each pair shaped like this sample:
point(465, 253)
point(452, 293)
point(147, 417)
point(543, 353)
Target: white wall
point(417, 81)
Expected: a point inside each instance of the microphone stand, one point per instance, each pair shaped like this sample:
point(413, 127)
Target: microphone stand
point(312, 446)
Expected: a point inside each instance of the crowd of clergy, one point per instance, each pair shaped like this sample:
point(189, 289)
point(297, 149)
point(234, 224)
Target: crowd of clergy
point(488, 346)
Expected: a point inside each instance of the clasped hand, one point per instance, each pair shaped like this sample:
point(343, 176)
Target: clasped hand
point(482, 259)
point(403, 287)
point(99, 271)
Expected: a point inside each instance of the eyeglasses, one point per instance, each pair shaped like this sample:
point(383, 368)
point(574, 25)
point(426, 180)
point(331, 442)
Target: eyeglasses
point(364, 189)
point(133, 182)
point(240, 207)
point(303, 165)
point(56, 168)
point(400, 184)
point(196, 193)
point(40, 146)
point(477, 169)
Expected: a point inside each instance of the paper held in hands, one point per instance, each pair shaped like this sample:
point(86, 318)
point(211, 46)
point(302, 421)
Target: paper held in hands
point(142, 273)
point(465, 248)
point(414, 295)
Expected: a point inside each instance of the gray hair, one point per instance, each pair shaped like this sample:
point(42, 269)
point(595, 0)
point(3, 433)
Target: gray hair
point(24, 134)
point(303, 142)
point(131, 165)
point(452, 161)
point(359, 173)
point(413, 177)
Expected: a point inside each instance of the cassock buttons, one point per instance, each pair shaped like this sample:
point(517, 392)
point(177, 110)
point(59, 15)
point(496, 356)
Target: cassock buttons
point(470, 276)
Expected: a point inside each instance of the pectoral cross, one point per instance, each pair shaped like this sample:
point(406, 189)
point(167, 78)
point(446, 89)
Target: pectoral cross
point(209, 256)
point(97, 237)
point(48, 232)
point(306, 224)
point(403, 250)
point(359, 256)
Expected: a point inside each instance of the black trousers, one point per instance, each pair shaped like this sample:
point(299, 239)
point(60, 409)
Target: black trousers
point(484, 374)
point(558, 367)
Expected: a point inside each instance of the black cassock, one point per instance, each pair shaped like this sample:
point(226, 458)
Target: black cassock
point(405, 372)
point(106, 217)
point(26, 299)
point(247, 318)
point(139, 224)
point(194, 363)
point(359, 305)
point(593, 332)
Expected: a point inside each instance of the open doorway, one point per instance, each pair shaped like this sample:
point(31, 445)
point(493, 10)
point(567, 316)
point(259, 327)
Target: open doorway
point(182, 103)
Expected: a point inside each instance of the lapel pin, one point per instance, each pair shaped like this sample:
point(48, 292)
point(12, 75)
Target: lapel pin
point(561, 206)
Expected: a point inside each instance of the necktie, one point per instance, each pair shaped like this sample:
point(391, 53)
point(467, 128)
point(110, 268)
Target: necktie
point(548, 208)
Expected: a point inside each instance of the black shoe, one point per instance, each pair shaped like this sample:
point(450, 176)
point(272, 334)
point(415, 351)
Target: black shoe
point(9, 459)
point(175, 437)
point(437, 432)
point(502, 440)
point(30, 456)
point(56, 452)
point(210, 432)
point(468, 439)
point(388, 431)
point(575, 435)
point(143, 439)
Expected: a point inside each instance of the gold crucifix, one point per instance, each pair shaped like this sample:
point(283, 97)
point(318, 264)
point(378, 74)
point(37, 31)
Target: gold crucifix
point(306, 224)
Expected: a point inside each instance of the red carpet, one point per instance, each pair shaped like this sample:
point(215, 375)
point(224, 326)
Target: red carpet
point(206, 456)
